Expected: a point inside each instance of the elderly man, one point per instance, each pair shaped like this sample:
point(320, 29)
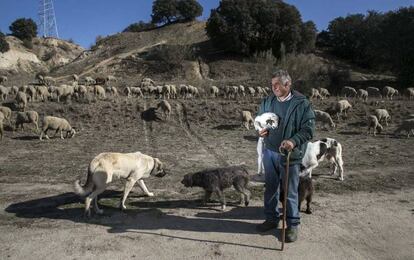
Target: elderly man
point(296, 128)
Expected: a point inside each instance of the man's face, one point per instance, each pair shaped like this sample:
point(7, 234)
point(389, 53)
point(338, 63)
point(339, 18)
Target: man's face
point(279, 89)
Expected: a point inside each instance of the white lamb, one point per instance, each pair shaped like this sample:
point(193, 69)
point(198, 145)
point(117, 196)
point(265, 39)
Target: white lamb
point(374, 123)
point(247, 119)
point(264, 121)
point(324, 92)
point(58, 124)
point(325, 118)
point(382, 115)
point(7, 113)
point(342, 106)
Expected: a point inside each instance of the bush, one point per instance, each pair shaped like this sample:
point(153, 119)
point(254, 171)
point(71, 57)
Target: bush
point(139, 27)
point(170, 56)
point(24, 29)
point(4, 45)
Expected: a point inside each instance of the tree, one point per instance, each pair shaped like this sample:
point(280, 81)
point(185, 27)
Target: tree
point(164, 11)
point(252, 26)
point(189, 9)
point(24, 29)
point(4, 45)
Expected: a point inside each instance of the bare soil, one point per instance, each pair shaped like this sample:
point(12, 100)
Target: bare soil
point(367, 216)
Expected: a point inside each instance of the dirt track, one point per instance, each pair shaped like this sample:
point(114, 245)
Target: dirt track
point(368, 216)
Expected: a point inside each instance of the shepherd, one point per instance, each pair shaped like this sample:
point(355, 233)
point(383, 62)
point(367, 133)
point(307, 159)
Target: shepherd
point(295, 129)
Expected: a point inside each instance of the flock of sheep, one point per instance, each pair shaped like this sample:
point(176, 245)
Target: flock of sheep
point(343, 106)
point(45, 89)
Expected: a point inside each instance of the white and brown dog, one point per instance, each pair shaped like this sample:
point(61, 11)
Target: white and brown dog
point(316, 152)
point(104, 167)
point(264, 121)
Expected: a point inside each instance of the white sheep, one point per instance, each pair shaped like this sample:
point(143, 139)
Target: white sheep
point(247, 119)
point(407, 126)
point(64, 91)
point(57, 124)
point(43, 93)
point(214, 91)
point(6, 113)
point(110, 78)
point(363, 94)
point(166, 91)
point(374, 124)
point(27, 118)
point(165, 107)
point(324, 92)
point(324, 117)
point(388, 92)
point(242, 90)
point(315, 94)
point(99, 92)
point(409, 92)
point(31, 92)
point(263, 121)
point(342, 106)
point(349, 91)
point(382, 114)
point(4, 92)
point(136, 91)
point(173, 91)
point(252, 91)
point(21, 100)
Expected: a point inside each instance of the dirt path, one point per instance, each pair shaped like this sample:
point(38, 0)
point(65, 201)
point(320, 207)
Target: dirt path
point(352, 226)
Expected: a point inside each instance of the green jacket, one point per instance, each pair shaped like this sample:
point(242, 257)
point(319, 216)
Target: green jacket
point(298, 127)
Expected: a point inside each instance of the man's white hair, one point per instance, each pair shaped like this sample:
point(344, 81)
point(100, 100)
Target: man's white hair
point(283, 76)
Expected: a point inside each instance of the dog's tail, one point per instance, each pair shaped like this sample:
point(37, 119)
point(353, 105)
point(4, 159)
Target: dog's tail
point(87, 188)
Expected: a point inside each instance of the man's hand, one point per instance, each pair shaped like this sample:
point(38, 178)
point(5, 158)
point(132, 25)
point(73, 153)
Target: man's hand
point(287, 145)
point(264, 132)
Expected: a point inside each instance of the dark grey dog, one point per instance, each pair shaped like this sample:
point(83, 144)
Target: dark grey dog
point(218, 179)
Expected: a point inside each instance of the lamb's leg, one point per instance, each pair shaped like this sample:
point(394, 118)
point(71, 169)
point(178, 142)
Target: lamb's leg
point(144, 188)
point(128, 187)
point(61, 134)
point(96, 207)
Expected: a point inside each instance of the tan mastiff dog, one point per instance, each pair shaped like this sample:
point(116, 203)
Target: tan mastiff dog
point(104, 167)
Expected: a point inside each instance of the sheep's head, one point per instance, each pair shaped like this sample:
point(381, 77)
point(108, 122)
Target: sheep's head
point(266, 121)
point(72, 133)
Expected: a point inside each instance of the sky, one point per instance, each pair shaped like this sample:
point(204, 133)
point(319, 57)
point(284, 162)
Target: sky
point(83, 20)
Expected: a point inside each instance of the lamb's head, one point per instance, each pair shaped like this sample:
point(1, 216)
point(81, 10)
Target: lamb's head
point(266, 121)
